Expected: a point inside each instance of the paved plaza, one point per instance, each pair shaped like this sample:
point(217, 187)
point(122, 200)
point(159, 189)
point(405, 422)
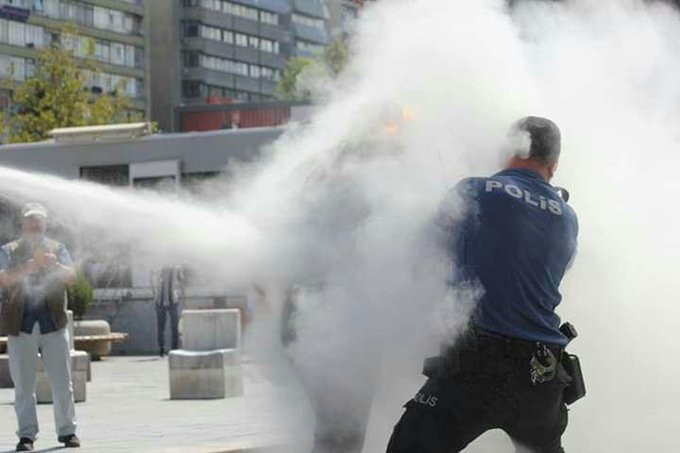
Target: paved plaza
point(128, 410)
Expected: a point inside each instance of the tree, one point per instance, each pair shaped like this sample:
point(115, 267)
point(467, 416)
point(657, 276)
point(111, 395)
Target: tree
point(56, 96)
point(80, 296)
point(287, 89)
point(335, 56)
point(301, 74)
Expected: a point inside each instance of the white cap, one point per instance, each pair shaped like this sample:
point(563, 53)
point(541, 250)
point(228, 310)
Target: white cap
point(36, 209)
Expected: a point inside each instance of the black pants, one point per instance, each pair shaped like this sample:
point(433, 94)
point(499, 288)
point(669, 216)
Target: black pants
point(161, 313)
point(488, 388)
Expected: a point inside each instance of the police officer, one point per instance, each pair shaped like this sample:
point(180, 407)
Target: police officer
point(514, 243)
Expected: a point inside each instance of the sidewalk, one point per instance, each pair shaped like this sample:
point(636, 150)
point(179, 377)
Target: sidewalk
point(128, 410)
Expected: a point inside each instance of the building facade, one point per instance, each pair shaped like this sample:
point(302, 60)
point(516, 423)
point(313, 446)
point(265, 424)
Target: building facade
point(227, 51)
point(110, 32)
point(342, 14)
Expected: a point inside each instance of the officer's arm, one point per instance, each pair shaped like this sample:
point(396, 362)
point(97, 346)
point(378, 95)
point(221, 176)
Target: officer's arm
point(451, 219)
point(574, 240)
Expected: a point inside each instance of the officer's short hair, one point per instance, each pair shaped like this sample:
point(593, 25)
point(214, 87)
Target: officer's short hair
point(544, 136)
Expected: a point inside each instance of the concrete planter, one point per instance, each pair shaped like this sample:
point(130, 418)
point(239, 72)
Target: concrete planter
point(98, 348)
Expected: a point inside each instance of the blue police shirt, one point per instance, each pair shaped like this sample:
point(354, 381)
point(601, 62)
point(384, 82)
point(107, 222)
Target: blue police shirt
point(36, 310)
point(516, 240)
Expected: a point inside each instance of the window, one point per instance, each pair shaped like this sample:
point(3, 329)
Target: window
point(210, 33)
point(267, 73)
point(117, 53)
point(4, 30)
point(239, 10)
point(114, 20)
point(191, 59)
point(13, 67)
point(222, 65)
point(270, 46)
point(228, 36)
point(102, 50)
point(309, 47)
point(211, 4)
point(101, 17)
point(190, 29)
point(242, 69)
point(51, 8)
point(269, 18)
point(253, 42)
point(132, 87)
point(241, 40)
point(191, 88)
point(114, 175)
point(139, 57)
point(308, 21)
point(17, 33)
point(130, 56)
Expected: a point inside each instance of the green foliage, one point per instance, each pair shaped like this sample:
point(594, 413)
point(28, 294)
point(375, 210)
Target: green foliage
point(287, 88)
point(335, 56)
point(56, 96)
point(80, 296)
point(299, 74)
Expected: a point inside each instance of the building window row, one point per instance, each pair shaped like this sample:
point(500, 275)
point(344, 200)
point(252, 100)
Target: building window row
point(309, 47)
point(103, 82)
point(19, 69)
point(21, 34)
point(89, 15)
point(308, 21)
point(235, 9)
point(192, 29)
point(198, 89)
point(106, 51)
point(192, 59)
point(16, 68)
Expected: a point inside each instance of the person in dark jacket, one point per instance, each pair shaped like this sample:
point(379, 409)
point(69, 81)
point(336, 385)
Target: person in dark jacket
point(168, 288)
point(34, 274)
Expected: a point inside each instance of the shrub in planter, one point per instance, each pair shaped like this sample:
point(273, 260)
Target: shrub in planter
point(80, 296)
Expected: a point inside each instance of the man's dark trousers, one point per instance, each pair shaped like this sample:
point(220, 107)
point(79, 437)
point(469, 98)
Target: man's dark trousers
point(485, 384)
point(161, 313)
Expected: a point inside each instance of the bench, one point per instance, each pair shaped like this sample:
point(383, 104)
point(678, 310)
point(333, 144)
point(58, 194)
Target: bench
point(82, 341)
point(89, 342)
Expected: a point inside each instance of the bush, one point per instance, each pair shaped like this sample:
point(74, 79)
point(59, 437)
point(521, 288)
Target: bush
point(80, 296)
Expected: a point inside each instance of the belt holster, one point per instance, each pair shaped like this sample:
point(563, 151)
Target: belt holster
point(577, 387)
point(463, 356)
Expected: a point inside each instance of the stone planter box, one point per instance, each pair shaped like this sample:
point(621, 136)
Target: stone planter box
point(205, 374)
point(80, 370)
point(93, 328)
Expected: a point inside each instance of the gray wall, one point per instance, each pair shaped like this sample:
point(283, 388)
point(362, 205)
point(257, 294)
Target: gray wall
point(164, 84)
point(198, 152)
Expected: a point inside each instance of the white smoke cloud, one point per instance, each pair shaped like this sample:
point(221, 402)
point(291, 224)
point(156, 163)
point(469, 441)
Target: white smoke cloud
point(342, 202)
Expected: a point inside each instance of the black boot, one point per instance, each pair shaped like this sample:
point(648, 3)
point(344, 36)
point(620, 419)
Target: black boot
point(25, 444)
point(70, 441)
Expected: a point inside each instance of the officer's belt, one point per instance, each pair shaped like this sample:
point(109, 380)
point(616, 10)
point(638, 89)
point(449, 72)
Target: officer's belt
point(512, 347)
point(475, 350)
